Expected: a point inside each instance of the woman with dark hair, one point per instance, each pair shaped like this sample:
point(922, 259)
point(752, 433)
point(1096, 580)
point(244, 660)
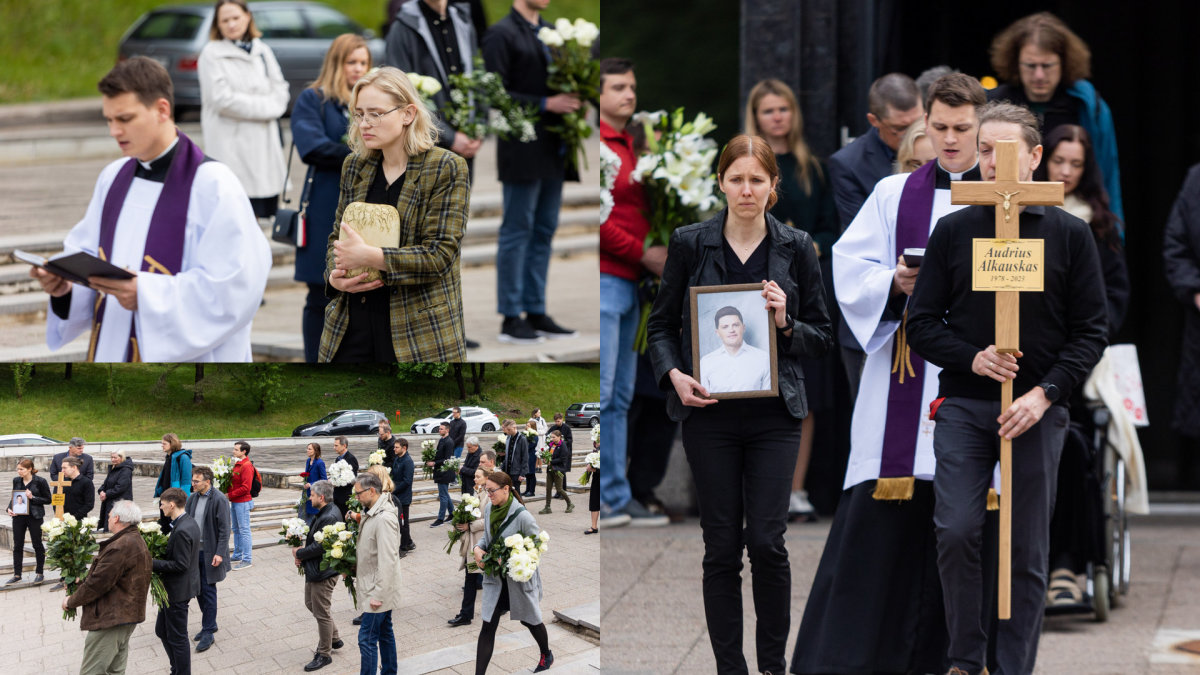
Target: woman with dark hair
point(1072, 160)
point(805, 201)
point(314, 470)
point(743, 472)
point(504, 515)
point(242, 96)
point(27, 517)
point(319, 123)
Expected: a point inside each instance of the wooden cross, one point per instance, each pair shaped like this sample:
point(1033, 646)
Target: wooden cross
point(59, 497)
point(1007, 193)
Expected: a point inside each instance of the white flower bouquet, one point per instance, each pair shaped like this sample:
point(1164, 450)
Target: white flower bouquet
point(293, 534)
point(572, 70)
point(156, 541)
point(71, 548)
point(376, 458)
point(525, 554)
point(341, 553)
point(480, 90)
point(341, 474)
point(428, 453)
point(452, 464)
point(596, 436)
point(610, 166)
point(465, 512)
point(222, 469)
point(427, 87)
point(593, 461)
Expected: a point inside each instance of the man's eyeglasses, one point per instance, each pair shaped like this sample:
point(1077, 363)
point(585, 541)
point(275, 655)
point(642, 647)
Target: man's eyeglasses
point(359, 492)
point(372, 118)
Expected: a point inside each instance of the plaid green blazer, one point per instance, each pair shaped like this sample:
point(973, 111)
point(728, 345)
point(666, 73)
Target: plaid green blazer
point(423, 273)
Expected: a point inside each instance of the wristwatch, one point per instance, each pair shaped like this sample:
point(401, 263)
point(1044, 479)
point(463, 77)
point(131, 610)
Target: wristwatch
point(1052, 391)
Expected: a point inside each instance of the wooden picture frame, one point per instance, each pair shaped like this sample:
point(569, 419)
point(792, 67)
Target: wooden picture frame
point(20, 504)
point(758, 333)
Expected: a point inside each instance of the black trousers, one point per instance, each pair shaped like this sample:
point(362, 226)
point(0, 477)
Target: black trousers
point(312, 320)
point(22, 524)
point(405, 537)
point(468, 483)
point(171, 628)
point(471, 585)
point(967, 447)
point(651, 435)
point(742, 453)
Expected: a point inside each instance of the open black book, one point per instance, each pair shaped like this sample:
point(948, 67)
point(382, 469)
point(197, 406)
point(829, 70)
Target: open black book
point(76, 267)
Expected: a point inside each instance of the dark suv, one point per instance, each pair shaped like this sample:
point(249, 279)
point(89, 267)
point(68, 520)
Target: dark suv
point(343, 423)
point(583, 414)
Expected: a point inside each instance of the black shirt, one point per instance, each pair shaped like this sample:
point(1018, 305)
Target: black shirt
point(389, 450)
point(1062, 328)
point(753, 271)
point(444, 39)
point(380, 192)
point(1060, 109)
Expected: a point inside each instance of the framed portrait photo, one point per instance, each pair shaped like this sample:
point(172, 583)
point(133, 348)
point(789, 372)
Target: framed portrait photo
point(733, 342)
point(20, 505)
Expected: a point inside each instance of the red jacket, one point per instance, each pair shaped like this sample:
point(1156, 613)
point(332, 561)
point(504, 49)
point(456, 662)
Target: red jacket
point(242, 478)
point(623, 235)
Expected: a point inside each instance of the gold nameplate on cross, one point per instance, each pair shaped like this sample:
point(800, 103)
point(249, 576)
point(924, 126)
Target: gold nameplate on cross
point(1007, 194)
point(59, 498)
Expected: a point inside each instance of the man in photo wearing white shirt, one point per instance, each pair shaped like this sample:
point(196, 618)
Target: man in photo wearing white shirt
point(736, 365)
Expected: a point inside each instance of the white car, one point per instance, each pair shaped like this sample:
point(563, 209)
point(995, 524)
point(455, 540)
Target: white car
point(477, 419)
point(27, 439)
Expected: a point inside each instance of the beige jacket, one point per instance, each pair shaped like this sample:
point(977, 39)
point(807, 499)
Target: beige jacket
point(379, 557)
point(467, 544)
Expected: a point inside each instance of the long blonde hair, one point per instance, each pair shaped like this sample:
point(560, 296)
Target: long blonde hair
point(420, 136)
point(382, 474)
point(331, 83)
point(806, 163)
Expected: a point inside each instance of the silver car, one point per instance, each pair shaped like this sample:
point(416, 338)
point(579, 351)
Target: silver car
point(298, 32)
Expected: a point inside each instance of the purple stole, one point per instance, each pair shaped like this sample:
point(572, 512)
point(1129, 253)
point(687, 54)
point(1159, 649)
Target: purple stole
point(163, 253)
point(906, 386)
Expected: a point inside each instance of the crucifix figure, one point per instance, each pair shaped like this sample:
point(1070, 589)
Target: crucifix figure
point(1004, 193)
point(59, 498)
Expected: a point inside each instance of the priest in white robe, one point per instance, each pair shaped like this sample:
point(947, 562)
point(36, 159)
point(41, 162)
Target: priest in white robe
point(181, 222)
point(875, 604)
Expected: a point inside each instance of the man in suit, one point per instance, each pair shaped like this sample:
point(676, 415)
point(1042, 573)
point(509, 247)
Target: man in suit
point(210, 509)
point(516, 453)
point(436, 38)
point(341, 494)
point(532, 175)
point(894, 101)
point(180, 574)
point(402, 482)
point(74, 449)
point(458, 430)
point(443, 479)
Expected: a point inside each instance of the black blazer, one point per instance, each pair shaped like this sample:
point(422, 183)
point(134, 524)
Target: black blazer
point(80, 497)
point(118, 484)
point(179, 568)
point(40, 490)
point(512, 51)
point(445, 450)
point(855, 169)
point(312, 551)
point(695, 258)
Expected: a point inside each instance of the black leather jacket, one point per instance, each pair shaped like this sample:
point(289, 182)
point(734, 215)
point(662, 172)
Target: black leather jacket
point(695, 258)
point(311, 553)
point(41, 495)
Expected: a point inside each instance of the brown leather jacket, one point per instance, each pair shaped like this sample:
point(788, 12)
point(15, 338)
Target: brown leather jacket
point(114, 591)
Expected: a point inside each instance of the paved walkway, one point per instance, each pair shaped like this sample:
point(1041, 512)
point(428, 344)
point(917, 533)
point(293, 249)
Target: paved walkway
point(652, 578)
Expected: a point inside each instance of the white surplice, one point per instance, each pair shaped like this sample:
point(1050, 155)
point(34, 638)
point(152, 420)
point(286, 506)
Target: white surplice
point(864, 261)
point(204, 312)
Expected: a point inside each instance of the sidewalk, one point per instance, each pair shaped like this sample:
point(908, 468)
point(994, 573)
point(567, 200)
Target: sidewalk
point(652, 578)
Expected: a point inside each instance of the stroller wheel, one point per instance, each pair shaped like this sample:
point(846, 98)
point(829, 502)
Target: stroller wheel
point(1100, 597)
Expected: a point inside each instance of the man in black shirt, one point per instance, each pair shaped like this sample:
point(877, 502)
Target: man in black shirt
point(80, 496)
point(1063, 332)
point(387, 443)
point(341, 494)
point(458, 431)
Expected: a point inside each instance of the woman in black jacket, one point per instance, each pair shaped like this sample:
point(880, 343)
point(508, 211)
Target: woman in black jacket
point(742, 451)
point(36, 492)
point(117, 485)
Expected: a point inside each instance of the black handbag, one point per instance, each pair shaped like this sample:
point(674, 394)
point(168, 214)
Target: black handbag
point(291, 225)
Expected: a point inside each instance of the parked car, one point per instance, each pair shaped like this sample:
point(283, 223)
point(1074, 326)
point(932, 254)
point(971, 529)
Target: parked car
point(27, 439)
point(583, 414)
point(477, 419)
point(298, 32)
point(343, 423)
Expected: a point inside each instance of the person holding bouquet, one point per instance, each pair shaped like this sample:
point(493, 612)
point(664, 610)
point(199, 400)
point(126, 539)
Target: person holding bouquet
point(473, 578)
point(504, 514)
point(556, 472)
point(470, 463)
point(36, 492)
point(113, 595)
point(318, 583)
point(744, 471)
point(314, 470)
point(179, 569)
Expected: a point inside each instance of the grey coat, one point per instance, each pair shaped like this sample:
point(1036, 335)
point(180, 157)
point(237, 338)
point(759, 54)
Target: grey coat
point(214, 532)
point(524, 599)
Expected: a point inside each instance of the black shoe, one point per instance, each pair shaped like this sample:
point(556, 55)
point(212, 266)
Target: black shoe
point(317, 663)
point(471, 344)
point(544, 326)
point(197, 636)
point(15, 580)
point(37, 579)
point(437, 522)
point(357, 620)
point(206, 641)
point(57, 587)
point(545, 662)
point(338, 644)
point(459, 621)
point(516, 330)
point(411, 547)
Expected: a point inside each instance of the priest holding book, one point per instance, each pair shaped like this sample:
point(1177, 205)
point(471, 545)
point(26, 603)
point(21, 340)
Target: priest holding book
point(176, 219)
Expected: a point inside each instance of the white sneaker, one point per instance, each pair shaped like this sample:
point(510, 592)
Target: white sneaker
point(799, 505)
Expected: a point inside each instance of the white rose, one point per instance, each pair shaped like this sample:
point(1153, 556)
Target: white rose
point(513, 540)
point(336, 552)
point(345, 536)
point(564, 28)
point(476, 513)
point(70, 519)
point(585, 33)
point(318, 537)
point(550, 37)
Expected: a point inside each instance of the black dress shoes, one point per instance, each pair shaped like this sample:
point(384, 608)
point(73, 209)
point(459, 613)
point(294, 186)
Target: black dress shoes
point(459, 620)
point(338, 644)
point(317, 663)
point(357, 620)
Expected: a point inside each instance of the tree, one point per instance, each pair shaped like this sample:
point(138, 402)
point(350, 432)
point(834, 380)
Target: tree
point(262, 383)
point(458, 379)
point(22, 374)
point(416, 372)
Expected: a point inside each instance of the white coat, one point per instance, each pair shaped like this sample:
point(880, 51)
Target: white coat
point(242, 97)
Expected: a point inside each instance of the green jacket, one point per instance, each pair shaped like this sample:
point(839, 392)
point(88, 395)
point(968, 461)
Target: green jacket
point(423, 273)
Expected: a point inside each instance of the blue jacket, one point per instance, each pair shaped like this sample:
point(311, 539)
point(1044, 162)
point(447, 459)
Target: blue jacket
point(1096, 118)
point(402, 478)
point(180, 475)
point(855, 169)
point(318, 127)
point(316, 471)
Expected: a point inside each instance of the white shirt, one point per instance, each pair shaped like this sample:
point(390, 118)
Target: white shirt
point(749, 369)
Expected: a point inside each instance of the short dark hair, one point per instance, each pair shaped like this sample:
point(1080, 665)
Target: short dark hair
point(402, 442)
point(1003, 111)
point(558, 416)
point(73, 461)
point(444, 424)
point(954, 90)
point(894, 89)
point(341, 440)
point(456, 409)
point(175, 496)
point(243, 446)
point(727, 310)
point(141, 76)
point(614, 65)
point(204, 472)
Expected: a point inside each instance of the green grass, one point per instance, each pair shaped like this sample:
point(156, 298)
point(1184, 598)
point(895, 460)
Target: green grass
point(56, 49)
point(145, 410)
